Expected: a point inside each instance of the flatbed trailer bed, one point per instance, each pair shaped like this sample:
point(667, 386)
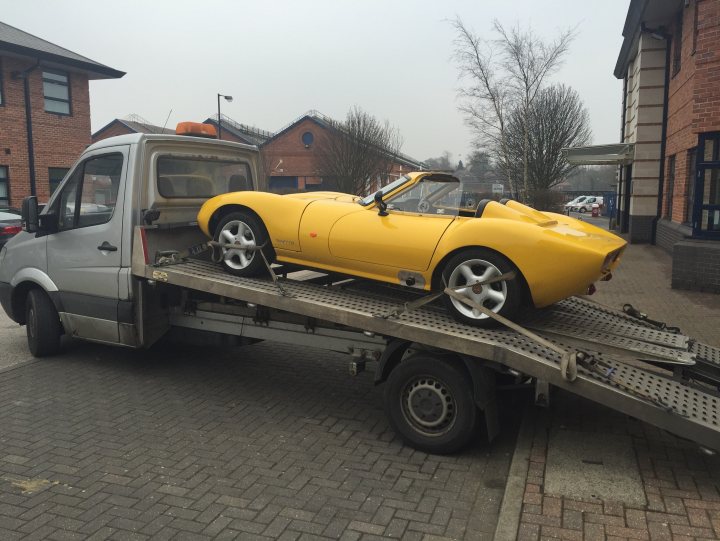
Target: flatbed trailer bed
point(642, 371)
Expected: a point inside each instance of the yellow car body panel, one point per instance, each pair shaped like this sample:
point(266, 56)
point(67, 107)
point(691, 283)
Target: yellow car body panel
point(558, 256)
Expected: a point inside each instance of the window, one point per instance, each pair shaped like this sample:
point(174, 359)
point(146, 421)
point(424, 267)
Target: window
point(4, 186)
point(55, 175)
point(690, 184)
point(429, 196)
point(88, 197)
point(670, 188)
point(179, 177)
point(56, 89)
point(677, 43)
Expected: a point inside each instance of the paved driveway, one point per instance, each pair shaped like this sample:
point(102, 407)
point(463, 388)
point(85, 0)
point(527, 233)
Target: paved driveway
point(265, 440)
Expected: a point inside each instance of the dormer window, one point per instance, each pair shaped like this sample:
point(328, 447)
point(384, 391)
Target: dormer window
point(56, 90)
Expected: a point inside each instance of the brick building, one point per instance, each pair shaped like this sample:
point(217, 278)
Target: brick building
point(44, 112)
point(125, 126)
point(669, 175)
point(291, 157)
point(240, 133)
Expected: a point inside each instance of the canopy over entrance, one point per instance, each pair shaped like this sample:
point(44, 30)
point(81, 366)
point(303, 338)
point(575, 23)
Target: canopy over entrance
point(615, 154)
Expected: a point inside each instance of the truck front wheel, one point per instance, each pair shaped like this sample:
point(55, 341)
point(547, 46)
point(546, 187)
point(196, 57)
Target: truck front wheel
point(429, 403)
point(42, 324)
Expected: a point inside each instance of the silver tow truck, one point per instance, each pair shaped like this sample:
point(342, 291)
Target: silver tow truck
point(116, 257)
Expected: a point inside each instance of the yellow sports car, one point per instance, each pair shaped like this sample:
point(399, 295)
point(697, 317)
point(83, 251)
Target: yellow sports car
point(415, 232)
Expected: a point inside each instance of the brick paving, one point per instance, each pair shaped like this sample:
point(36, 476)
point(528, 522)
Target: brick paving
point(260, 442)
point(681, 484)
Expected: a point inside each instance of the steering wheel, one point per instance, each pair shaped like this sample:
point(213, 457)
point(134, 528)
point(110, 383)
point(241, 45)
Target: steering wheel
point(423, 206)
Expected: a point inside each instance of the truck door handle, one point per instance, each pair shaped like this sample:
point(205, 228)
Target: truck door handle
point(107, 247)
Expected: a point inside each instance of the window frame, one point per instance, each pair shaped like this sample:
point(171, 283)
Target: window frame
point(701, 165)
point(2, 88)
point(80, 170)
point(67, 84)
point(677, 43)
point(6, 180)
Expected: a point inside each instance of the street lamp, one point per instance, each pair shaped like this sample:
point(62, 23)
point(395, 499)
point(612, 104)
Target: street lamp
point(227, 99)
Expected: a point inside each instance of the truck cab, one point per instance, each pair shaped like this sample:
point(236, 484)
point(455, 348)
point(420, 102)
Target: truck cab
point(74, 255)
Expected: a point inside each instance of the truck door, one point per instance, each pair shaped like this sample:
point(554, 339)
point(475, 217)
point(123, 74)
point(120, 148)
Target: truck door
point(84, 254)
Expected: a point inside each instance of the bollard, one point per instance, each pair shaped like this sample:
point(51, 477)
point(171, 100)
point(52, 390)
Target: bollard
point(595, 210)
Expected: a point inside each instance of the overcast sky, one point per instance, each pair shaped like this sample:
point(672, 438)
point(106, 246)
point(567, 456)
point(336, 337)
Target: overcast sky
point(281, 58)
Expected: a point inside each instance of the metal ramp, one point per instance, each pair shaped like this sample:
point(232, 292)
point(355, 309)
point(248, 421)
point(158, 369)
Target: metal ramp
point(680, 407)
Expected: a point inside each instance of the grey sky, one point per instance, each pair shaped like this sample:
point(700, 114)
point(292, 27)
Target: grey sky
point(281, 58)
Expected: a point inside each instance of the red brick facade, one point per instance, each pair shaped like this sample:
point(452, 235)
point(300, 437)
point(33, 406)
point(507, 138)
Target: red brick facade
point(693, 100)
point(58, 139)
point(286, 155)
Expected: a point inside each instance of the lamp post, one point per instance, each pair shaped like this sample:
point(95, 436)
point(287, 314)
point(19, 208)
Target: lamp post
point(227, 99)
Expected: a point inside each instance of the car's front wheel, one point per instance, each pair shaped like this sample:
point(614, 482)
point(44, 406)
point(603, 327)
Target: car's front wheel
point(462, 274)
point(243, 234)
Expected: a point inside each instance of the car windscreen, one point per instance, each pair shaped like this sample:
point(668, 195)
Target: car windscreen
point(385, 190)
point(182, 178)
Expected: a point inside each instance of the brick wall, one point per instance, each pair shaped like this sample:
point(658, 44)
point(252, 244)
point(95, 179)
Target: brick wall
point(696, 265)
point(58, 139)
point(694, 98)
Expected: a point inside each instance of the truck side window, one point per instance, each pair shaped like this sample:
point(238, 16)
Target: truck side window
point(98, 181)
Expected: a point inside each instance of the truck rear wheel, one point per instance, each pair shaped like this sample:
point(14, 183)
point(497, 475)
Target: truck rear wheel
point(429, 402)
point(42, 324)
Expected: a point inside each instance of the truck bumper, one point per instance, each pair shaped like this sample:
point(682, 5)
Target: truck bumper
point(6, 299)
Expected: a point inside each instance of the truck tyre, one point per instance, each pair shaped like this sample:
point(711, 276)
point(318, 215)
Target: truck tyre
point(429, 403)
point(42, 324)
point(473, 265)
point(246, 231)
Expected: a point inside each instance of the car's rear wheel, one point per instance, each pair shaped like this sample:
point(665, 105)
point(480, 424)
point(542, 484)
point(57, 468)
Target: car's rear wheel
point(248, 233)
point(582, 210)
point(42, 324)
point(464, 270)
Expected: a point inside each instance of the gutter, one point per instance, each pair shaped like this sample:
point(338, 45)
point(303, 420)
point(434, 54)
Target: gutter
point(28, 121)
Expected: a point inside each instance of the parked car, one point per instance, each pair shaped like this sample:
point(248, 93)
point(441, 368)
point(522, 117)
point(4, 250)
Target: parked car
point(576, 201)
point(586, 205)
point(410, 233)
point(10, 224)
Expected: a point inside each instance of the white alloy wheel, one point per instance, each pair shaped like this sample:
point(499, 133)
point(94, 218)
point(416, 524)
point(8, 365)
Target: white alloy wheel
point(491, 296)
point(239, 233)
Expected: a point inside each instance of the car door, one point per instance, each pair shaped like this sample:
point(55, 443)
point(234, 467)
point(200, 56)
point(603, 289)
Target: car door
point(84, 254)
point(404, 239)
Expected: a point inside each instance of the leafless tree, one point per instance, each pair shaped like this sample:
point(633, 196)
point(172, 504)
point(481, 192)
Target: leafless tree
point(556, 119)
point(358, 152)
point(441, 163)
point(502, 75)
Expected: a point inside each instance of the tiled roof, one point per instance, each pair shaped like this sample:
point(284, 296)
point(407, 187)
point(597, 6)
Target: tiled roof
point(19, 42)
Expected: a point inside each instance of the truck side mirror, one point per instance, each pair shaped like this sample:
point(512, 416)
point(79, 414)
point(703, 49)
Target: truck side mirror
point(29, 214)
point(382, 205)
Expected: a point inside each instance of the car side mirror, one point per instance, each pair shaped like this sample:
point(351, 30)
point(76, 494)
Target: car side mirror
point(29, 214)
point(382, 205)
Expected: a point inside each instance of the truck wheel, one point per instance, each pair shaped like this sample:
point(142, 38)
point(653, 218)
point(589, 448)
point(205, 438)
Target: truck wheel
point(42, 324)
point(247, 232)
point(475, 265)
point(429, 403)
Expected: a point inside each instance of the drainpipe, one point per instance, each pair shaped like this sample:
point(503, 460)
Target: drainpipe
point(663, 136)
point(24, 75)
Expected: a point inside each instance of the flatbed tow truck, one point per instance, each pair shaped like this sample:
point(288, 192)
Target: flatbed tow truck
point(439, 374)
